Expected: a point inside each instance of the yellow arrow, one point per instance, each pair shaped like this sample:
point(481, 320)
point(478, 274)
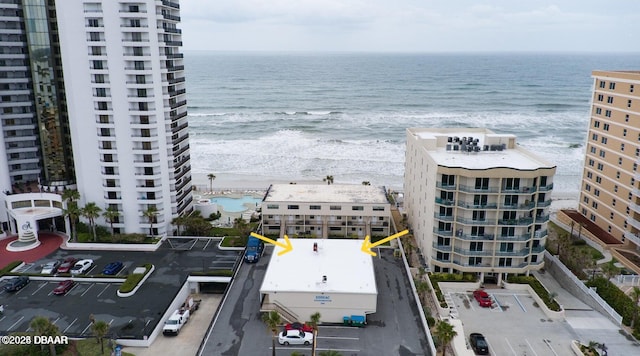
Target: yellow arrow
point(367, 245)
point(286, 245)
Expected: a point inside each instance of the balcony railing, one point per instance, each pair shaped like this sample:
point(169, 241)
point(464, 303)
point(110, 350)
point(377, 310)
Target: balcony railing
point(444, 248)
point(443, 232)
point(544, 203)
point(546, 188)
point(445, 186)
point(467, 252)
point(518, 190)
point(446, 202)
point(475, 222)
point(519, 238)
point(473, 205)
point(467, 237)
point(443, 217)
point(521, 221)
point(474, 189)
point(526, 206)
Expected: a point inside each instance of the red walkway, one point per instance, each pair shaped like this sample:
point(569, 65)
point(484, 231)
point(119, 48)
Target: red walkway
point(48, 244)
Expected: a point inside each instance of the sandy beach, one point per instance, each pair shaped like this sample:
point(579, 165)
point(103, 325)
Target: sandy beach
point(240, 182)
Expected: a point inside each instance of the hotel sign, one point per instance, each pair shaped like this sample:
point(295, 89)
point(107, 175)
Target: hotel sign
point(322, 299)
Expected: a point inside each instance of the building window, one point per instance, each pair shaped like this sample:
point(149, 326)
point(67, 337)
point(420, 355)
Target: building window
point(600, 97)
point(610, 100)
point(606, 126)
point(596, 124)
point(617, 175)
point(612, 86)
point(97, 65)
point(624, 133)
point(609, 229)
point(626, 118)
point(631, 88)
point(504, 262)
point(594, 137)
point(593, 149)
point(589, 175)
point(93, 23)
point(592, 217)
point(596, 192)
point(591, 162)
point(615, 188)
point(620, 160)
point(613, 202)
point(475, 261)
point(598, 179)
point(378, 208)
point(629, 103)
point(585, 199)
point(602, 153)
point(598, 111)
point(357, 208)
point(607, 113)
point(335, 207)
point(635, 167)
point(603, 84)
point(604, 140)
point(587, 187)
point(293, 207)
point(101, 92)
point(273, 206)
point(600, 166)
point(314, 207)
point(475, 246)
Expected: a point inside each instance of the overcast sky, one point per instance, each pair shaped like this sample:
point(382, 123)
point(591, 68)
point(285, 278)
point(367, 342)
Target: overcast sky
point(411, 25)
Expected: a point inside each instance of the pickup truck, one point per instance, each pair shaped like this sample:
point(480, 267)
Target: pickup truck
point(254, 250)
point(175, 322)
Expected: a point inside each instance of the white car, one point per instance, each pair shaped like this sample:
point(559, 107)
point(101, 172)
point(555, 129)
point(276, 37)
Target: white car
point(295, 337)
point(51, 267)
point(82, 266)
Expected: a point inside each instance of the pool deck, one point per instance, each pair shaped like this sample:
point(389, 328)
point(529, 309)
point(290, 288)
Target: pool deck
point(228, 217)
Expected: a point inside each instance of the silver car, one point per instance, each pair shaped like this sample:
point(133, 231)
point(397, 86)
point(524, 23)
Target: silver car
point(51, 267)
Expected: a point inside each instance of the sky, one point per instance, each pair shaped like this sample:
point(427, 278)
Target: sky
point(411, 25)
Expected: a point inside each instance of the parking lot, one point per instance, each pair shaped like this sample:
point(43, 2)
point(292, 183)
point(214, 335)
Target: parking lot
point(395, 328)
point(515, 325)
point(131, 317)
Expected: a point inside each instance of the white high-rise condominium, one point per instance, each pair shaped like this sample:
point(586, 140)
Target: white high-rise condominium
point(107, 112)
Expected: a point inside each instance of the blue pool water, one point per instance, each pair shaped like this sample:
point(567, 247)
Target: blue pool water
point(236, 205)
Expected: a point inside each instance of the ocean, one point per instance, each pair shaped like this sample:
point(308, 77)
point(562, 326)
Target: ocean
point(303, 116)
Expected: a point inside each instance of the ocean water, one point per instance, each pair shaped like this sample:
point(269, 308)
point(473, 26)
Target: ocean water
point(305, 116)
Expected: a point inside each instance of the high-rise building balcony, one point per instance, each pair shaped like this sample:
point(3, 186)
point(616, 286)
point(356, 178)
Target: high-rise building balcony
point(445, 202)
point(468, 237)
point(518, 190)
point(477, 205)
point(467, 221)
point(467, 252)
point(519, 221)
point(476, 189)
point(515, 238)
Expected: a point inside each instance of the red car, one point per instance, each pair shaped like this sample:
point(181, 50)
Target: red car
point(67, 264)
point(63, 287)
point(483, 298)
point(299, 326)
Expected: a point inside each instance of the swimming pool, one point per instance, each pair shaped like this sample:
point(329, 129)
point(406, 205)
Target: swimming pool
point(236, 205)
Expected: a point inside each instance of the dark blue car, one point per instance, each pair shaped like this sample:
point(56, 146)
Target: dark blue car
point(112, 268)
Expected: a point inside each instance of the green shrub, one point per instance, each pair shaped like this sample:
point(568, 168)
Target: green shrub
point(217, 273)
point(6, 269)
point(448, 277)
point(233, 241)
point(133, 279)
point(616, 298)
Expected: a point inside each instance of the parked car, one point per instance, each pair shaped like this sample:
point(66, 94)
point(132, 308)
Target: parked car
point(479, 344)
point(299, 326)
point(295, 337)
point(82, 266)
point(112, 268)
point(66, 265)
point(483, 298)
point(51, 267)
point(63, 287)
point(16, 283)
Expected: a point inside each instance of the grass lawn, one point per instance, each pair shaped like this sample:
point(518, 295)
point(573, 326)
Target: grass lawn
point(89, 347)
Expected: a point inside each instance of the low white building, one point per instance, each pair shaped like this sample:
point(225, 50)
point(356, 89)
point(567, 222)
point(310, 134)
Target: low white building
point(335, 279)
point(321, 210)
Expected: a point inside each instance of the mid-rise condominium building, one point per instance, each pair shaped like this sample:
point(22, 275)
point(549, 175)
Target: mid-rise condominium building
point(610, 191)
point(476, 201)
point(324, 211)
point(93, 99)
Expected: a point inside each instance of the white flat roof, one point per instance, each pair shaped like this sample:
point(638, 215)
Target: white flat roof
point(326, 193)
point(514, 157)
point(347, 268)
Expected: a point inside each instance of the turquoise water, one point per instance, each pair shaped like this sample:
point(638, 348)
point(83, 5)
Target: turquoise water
point(236, 205)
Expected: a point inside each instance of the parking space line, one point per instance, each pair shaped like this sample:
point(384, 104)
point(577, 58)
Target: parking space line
point(16, 323)
point(105, 288)
point(520, 304)
point(67, 328)
point(511, 347)
point(41, 286)
point(85, 329)
point(337, 338)
point(334, 327)
point(3, 317)
point(531, 347)
point(469, 300)
point(85, 292)
point(207, 244)
point(343, 350)
point(55, 321)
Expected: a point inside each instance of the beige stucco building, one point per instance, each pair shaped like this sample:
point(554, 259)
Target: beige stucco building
point(319, 210)
point(476, 201)
point(610, 192)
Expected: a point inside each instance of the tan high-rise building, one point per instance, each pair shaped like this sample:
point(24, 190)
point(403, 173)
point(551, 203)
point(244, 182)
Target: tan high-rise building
point(610, 194)
point(476, 201)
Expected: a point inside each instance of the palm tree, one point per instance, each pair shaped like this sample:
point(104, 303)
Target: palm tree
point(445, 333)
point(610, 270)
point(179, 221)
point(211, 178)
point(70, 195)
point(315, 320)
point(91, 211)
point(111, 215)
point(73, 213)
point(99, 329)
point(328, 179)
point(273, 320)
point(635, 296)
point(151, 213)
point(242, 227)
point(422, 287)
point(44, 327)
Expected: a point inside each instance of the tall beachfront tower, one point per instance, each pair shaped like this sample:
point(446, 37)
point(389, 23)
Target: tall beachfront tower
point(104, 106)
point(610, 190)
point(476, 202)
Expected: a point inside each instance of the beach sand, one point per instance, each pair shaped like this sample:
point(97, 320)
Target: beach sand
point(240, 182)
